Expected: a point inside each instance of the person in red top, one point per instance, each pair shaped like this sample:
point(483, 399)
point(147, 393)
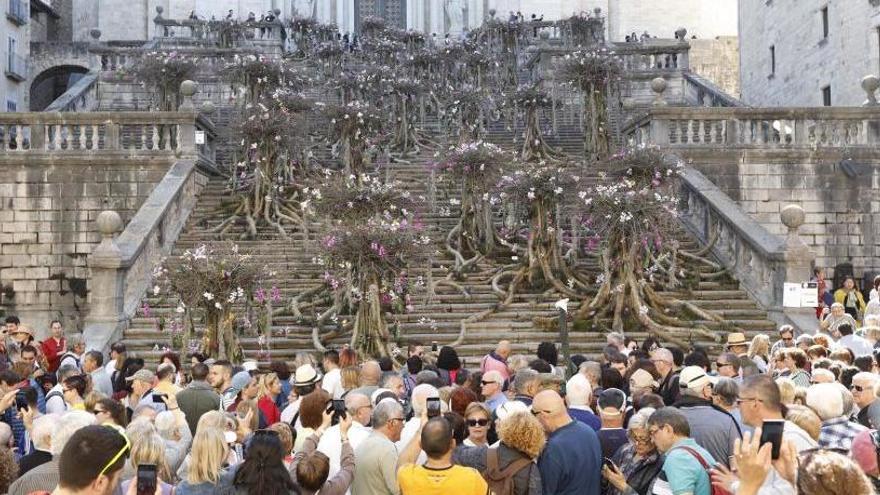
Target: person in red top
point(270, 388)
point(54, 346)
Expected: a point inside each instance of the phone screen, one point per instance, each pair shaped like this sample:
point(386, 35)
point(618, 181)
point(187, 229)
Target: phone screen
point(433, 405)
point(20, 402)
point(157, 399)
point(146, 479)
point(771, 432)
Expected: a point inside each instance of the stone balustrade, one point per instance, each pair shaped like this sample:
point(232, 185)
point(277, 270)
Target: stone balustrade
point(701, 92)
point(121, 265)
point(761, 261)
point(239, 33)
point(81, 97)
point(653, 55)
point(66, 134)
point(763, 128)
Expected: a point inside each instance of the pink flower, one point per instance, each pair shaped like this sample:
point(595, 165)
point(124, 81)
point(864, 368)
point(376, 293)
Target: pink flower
point(276, 294)
point(145, 309)
point(260, 295)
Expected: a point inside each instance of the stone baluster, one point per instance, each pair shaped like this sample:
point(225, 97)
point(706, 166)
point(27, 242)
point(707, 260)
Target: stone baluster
point(107, 285)
point(870, 84)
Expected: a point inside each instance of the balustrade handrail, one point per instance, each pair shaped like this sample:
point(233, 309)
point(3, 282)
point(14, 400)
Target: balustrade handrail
point(650, 47)
point(712, 90)
point(727, 211)
point(94, 118)
point(69, 100)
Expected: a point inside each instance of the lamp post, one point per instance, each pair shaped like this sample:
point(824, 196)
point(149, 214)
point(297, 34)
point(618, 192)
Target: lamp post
point(562, 307)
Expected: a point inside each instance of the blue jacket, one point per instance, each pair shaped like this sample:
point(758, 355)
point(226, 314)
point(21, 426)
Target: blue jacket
point(572, 461)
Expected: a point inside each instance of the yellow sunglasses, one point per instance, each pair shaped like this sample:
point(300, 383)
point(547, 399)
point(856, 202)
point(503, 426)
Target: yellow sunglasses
point(125, 448)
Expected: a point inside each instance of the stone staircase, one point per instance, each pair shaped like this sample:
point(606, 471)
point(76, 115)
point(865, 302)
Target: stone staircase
point(436, 320)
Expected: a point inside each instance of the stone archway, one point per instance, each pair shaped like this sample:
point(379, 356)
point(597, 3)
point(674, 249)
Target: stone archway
point(51, 83)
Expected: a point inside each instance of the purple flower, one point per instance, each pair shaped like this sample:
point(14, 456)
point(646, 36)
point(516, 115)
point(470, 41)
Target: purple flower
point(260, 295)
point(276, 294)
point(145, 309)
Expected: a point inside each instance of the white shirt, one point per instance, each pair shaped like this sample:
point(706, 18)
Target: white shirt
point(290, 411)
point(801, 439)
point(409, 431)
point(858, 345)
point(56, 404)
point(331, 444)
point(332, 384)
point(101, 382)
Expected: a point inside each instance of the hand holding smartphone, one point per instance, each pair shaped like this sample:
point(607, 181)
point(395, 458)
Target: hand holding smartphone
point(771, 432)
point(147, 479)
point(433, 407)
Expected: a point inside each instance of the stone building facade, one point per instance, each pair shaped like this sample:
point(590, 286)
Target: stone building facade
point(25, 20)
point(807, 52)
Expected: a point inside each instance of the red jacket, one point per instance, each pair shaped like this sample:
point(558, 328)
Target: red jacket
point(53, 350)
point(269, 409)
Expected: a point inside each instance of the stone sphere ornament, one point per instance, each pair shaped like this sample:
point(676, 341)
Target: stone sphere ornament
point(188, 88)
point(870, 84)
point(792, 216)
point(160, 9)
point(208, 108)
point(109, 223)
point(95, 33)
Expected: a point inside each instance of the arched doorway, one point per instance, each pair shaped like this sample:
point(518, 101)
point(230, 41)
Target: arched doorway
point(52, 83)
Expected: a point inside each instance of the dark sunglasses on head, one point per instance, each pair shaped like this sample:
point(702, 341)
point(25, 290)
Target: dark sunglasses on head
point(477, 422)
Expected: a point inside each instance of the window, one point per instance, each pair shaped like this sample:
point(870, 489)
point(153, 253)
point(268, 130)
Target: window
point(10, 53)
point(824, 13)
point(11, 106)
point(772, 60)
point(826, 96)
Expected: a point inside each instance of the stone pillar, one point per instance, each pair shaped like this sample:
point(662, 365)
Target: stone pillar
point(106, 318)
point(797, 267)
point(186, 131)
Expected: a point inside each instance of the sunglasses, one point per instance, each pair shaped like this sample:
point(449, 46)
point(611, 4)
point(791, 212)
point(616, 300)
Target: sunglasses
point(721, 365)
point(477, 422)
point(125, 449)
point(857, 388)
point(484, 382)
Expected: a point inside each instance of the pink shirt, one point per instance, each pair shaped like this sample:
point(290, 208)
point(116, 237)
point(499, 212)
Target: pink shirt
point(490, 362)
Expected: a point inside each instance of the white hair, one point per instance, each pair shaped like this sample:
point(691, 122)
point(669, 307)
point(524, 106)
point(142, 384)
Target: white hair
point(615, 338)
point(825, 400)
point(41, 433)
point(872, 320)
point(166, 424)
point(420, 395)
point(578, 390)
point(826, 376)
point(68, 424)
point(5, 434)
point(867, 377)
point(640, 419)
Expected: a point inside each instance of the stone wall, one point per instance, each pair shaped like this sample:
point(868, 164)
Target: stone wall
point(805, 60)
point(47, 230)
point(717, 60)
point(842, 213)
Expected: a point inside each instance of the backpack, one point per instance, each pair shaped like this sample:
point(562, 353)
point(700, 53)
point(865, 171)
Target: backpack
point(501, 481)
point(716, 490)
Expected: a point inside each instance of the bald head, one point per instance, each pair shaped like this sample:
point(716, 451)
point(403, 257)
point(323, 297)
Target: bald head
point(437, 438)
point(550, 409)
point(370, 373)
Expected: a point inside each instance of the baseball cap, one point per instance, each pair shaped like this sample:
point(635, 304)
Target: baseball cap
point(694, 378)
point(143, 375)
point(642, 379)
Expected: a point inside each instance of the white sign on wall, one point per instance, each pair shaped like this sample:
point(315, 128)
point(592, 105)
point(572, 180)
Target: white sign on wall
point(800, 295)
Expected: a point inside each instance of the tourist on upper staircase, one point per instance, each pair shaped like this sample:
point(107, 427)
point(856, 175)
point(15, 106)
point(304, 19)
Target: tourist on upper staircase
point(852, 300)
point(497, 360)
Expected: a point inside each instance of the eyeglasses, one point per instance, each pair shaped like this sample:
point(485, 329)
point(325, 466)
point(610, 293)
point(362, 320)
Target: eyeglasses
point(536, 412)
point(473, 423)
point(125, 448)
point(484, 383)
point(719, 364)
point(653, 432)
point(640, 438)
point(789, 339)
point(98, 411)
point(857, 388)
point(740, 400)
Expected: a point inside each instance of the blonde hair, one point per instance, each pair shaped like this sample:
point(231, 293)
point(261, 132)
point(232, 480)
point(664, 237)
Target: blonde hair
point(350, 377)
point(760, 346)
point(208, 454)
point(786, 390)
point(477, 407)
point(265, 384)
point(523, 432)
point(150, 449)
point(211, 419)
point(806, 419)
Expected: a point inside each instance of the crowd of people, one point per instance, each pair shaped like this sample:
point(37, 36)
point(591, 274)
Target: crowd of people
point(792, 414)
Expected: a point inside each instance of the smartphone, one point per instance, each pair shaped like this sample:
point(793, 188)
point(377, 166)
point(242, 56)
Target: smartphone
point(434, 346)
point(433, 405)
point(771, 432)
point(20, 402)
point(608, 462)
point(147, 480)
point(338, 410)
point(157, 398)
